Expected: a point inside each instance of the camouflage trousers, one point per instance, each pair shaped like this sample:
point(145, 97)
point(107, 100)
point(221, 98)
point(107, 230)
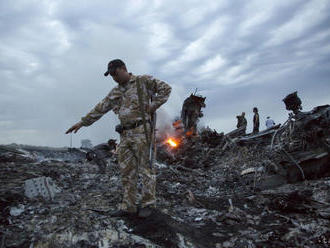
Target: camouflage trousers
point(133, 157)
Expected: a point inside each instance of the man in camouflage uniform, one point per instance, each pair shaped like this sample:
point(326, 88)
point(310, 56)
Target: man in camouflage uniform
point(242, 122)
point(134, 100)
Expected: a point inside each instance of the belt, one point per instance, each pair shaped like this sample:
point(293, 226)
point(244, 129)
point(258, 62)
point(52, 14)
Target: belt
point(132, 125)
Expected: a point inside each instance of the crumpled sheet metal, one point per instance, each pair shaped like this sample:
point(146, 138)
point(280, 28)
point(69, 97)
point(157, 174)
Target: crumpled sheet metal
point(291, 215)
point(41, 186)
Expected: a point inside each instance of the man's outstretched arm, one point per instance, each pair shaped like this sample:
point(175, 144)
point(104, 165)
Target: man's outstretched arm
point(74, 128)
point(97, 112)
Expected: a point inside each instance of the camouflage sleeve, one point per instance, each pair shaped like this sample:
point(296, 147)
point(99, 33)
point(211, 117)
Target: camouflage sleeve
point(161, 91)
point(107, 103)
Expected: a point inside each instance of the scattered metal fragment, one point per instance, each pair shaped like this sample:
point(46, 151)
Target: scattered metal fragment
point(249, 194)
point(16, 211)
point(41, 186)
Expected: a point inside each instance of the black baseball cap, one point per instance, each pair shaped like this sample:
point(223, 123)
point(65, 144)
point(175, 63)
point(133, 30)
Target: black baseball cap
point(112, 65)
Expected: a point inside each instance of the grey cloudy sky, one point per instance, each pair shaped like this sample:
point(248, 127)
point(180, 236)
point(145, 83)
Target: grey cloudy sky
point(239, 54)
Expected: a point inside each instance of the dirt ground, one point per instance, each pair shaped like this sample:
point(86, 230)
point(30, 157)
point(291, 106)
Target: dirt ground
point(207, 205)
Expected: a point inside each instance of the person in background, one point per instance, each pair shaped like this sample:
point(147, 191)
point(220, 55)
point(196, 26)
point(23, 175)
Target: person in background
point(241, 122)
point(100, 153)
point(256, 122)
point(269, 122)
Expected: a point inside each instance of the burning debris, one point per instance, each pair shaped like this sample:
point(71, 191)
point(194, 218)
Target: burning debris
point(191, 112)
point(213, 190)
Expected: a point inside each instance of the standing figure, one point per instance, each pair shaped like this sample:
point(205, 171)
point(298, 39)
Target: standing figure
point(256, 121)
point(242, 122)
point(135, 100)
point(269, 122)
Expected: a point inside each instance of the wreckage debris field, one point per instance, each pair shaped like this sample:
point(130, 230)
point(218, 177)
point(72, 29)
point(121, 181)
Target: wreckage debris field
point(265, 190)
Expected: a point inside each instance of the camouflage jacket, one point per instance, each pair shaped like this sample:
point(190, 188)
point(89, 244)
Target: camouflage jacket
point(241, 121)
point(123, 100)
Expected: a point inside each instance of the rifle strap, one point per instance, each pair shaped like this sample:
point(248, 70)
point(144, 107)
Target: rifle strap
point(140, 98)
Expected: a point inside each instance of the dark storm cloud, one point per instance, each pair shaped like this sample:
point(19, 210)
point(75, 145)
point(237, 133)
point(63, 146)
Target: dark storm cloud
point(239, 54)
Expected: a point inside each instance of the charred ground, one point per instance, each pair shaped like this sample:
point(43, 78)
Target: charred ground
point(265, 190)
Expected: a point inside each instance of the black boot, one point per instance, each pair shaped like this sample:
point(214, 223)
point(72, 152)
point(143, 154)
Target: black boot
point(145, 212)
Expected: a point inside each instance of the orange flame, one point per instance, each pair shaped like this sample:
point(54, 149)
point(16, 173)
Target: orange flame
point(190, 132)
point(172, 142)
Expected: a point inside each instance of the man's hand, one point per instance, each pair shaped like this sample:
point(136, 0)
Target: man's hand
point(74, 128)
